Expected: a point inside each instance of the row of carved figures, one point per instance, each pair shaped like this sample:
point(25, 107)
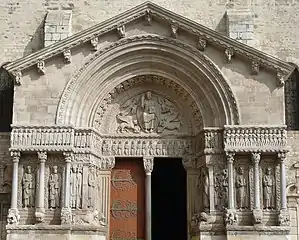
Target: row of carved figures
point(146, 148)
point(241, 186)
point(54, 187)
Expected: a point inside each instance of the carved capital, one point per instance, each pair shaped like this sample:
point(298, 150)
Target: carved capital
point(148, 163)
point(230, 157)
point(68, 157)
point(229, 53)
point(121, 31)
point(148, 17)
point(17, 77)
point(174, 30)
point(42, 156)
point(255, 67)
point(282, 156)
point(107, 163)
point(41, 69)
point(15, 156)
point(189, 162)
point(94, 43)
point(67, 56)
point(255, 157)
point(202, 44)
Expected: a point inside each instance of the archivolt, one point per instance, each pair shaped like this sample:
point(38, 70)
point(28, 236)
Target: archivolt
point(148, 54)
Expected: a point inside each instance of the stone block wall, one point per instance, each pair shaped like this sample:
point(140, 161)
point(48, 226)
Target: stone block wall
point(275, 28)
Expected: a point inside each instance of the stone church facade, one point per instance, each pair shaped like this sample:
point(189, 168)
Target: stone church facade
point(148, 85)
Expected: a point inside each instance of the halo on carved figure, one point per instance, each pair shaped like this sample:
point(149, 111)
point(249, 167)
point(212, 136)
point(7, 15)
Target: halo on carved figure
point(147, 55)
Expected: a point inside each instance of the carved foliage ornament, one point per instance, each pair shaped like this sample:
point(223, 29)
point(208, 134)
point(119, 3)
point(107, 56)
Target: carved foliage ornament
point(148, 113)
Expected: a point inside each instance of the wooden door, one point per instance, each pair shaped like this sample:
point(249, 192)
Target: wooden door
point(127, 205)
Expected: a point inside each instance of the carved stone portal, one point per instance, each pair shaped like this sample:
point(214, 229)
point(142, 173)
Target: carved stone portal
point(148, 113)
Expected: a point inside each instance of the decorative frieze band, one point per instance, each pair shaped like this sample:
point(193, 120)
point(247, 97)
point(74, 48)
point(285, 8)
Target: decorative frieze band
point(255, 138)
point(208, 141)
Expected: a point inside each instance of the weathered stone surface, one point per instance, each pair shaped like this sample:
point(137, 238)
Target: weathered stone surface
point(193, 93)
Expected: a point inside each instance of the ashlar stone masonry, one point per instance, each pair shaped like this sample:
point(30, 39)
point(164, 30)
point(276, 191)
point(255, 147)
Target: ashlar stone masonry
point(147, 84)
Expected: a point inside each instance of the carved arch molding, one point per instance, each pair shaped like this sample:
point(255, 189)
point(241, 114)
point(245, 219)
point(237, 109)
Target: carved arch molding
point(148, 84)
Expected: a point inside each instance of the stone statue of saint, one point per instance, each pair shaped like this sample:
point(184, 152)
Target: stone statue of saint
point(54, 188)
point(91, 188)
point(268, 184)
point(148, 108)
point(206, 188)
point(241, 189)
point(76, 187)
point(28, 183)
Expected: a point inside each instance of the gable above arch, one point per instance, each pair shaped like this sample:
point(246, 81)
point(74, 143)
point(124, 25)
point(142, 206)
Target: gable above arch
point(150, 14)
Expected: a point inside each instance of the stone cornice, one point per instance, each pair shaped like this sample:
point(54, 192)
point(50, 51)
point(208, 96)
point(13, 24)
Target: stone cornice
point(156, 12)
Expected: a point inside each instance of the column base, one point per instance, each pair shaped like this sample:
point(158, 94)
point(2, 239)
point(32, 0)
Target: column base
point(257, 216)
point(284, 218)
point(66, 215)
point(13, 216)
point(40, 215)
point(230, 217)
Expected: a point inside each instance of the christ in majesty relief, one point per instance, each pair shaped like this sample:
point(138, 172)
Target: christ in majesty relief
point(148, 109)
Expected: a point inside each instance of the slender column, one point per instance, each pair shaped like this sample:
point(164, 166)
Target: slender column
point(230, 170)
point(148, 163)
point(283, 184)
point(66, 210)
point(14, 192)
point(256, 157)
point(13, 216)
point(211, 188)
point(257, 212)
point(40, 209)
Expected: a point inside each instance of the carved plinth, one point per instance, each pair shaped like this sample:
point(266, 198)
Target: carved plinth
point(257, 216)
point(284, 218)
point(66, 216)
point(40, 216)
point(230, 217)
point(13, 216)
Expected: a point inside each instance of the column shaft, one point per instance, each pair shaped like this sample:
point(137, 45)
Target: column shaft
point(283, 184)
point(148, 163)
point(256, 157)
point(14, 191)
point(67, 181)
point(230, 169)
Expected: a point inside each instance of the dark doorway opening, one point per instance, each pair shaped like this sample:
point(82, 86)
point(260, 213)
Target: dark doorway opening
point(169, 199)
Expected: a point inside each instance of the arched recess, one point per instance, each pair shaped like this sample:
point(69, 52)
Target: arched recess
point(96, 82)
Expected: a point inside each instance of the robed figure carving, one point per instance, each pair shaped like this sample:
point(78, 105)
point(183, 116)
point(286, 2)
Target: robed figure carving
point(268, 184)
point(54, 188)
point(76, 187)
point(146, 113)
point(91, 188)
point(28, 183)
point(241, 183)
point(206, 190)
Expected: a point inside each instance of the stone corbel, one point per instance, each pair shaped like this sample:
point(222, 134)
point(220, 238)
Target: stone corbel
point(41, 69)
point(280, 79)
point(67, 56)
point(148, 17)
point(121, 31)
point(174, 30)
point(201, 44)
point(17, 76)
point(94, 43)
point(255, 67)
point(229, 53)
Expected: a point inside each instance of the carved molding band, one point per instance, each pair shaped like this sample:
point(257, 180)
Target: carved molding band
point(255, 138)
point(208, 141)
